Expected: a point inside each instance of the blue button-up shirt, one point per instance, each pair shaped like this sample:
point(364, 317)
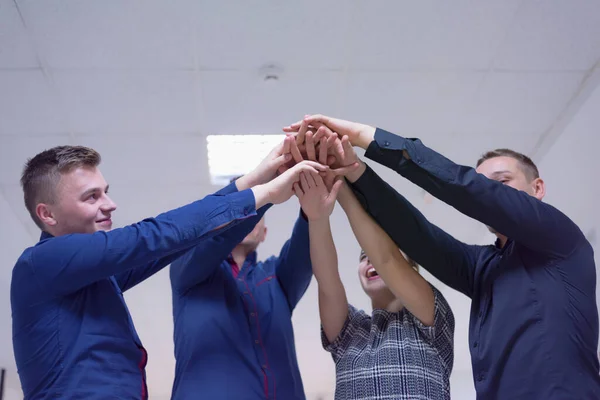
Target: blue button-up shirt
point(72, 333)
point(233, 331)
point(533, 329)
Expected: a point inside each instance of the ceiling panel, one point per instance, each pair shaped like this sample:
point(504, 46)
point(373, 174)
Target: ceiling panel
point(28, 105)
point(511, 102)
point(244, 103)
point(553, 35)
point(410, 103)
point(14, 197)
point(16, 150)
point(428, 34)
point(119, 102)
point(15, 47)
point(158, 160)
point(298, 35)
point(112, 33)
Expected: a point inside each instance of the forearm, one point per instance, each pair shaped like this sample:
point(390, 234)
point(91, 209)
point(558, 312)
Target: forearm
point(198, 263)
point(333, 305)
point(293, 266)
point(448, 259)
point(402, 280)
point(511, 212)
point(81, 259)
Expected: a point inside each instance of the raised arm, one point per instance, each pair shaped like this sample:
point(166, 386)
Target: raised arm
point(134, 276)
point(512, 213)
point(318, 203)
point(450, 260)
point(67, 263)
point(293, 265)
point(198, 263)
point(405, 283)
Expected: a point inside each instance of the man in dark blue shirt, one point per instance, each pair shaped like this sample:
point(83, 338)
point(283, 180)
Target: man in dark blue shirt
point(233, 314)
point(534, 321)
point(73, 336)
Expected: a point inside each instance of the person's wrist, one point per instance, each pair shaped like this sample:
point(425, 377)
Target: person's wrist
point(353, 176)
point(319, 220)
point(262, 195)
point(364, 137)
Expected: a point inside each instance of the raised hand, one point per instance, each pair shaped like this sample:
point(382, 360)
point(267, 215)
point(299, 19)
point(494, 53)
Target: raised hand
point(359, 134)
point(281, 188)
point(272, 165)
point(316, 197)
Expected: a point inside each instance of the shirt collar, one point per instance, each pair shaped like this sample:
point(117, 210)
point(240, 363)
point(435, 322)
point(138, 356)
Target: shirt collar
point(45, 235)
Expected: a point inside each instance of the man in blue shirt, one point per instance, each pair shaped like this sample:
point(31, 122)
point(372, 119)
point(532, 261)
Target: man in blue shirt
point(233, 314)
point(73, 336)
point(534, 321)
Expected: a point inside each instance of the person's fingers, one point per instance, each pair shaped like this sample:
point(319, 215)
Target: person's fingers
point(299, 193)
point(335, 189)
point(317, 179)
point(310, 178)
point(345, 170)
point(295, 152)
point(286, 144)
point(302, 132)
point(304, 182)
point(310, 146)
point(323, 151)
point(347, 146)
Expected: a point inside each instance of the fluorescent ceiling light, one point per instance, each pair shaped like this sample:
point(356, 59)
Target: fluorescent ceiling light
point(234, 155)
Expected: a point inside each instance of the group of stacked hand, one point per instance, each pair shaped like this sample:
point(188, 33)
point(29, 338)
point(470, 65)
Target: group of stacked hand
point(311, 162)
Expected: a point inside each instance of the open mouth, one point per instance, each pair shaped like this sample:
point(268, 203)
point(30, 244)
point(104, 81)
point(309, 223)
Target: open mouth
point(372, 274)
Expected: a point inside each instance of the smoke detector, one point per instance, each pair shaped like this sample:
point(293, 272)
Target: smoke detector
point(271, 72)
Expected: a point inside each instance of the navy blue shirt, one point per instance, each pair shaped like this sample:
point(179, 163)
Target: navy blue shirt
point(72, 333)
point(533, 331)
point(233, 326)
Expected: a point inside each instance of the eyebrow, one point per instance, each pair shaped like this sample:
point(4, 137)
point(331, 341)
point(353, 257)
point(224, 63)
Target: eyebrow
point(494, 174)
point(92, 190)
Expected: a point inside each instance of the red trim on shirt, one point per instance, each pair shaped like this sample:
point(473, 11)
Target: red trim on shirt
point(142, 365)
point(261, 344)
point(235, 269)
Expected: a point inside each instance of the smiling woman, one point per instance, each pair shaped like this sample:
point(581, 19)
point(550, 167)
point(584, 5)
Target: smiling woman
point(411, 328)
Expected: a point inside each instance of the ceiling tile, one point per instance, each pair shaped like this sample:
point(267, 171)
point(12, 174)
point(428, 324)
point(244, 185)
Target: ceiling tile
point(510, 102)
point(112, 33)
point(404, 34)
point(118, 102)
point(27, 104)
point(16, 150)
point(409, 103)
point(14, 197)
point(15, 48)
point(243, 103)
point(553, 35)
point(159, 160)
point(306, 34)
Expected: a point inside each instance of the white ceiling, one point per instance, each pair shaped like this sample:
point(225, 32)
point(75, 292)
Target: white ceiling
point(144, 82)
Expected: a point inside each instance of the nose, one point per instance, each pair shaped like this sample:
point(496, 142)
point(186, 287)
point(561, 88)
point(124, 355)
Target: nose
point(108, 205)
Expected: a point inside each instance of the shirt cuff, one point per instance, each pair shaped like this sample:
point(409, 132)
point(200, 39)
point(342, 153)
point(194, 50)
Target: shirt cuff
point(387, 148)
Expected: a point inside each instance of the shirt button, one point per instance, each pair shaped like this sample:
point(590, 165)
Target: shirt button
point(245, 211)
point(252, 314)
point(245, 293)
point(480, 377)
point(264, 366)
point(475, 344)
point(256, 341)
point(386, 143)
